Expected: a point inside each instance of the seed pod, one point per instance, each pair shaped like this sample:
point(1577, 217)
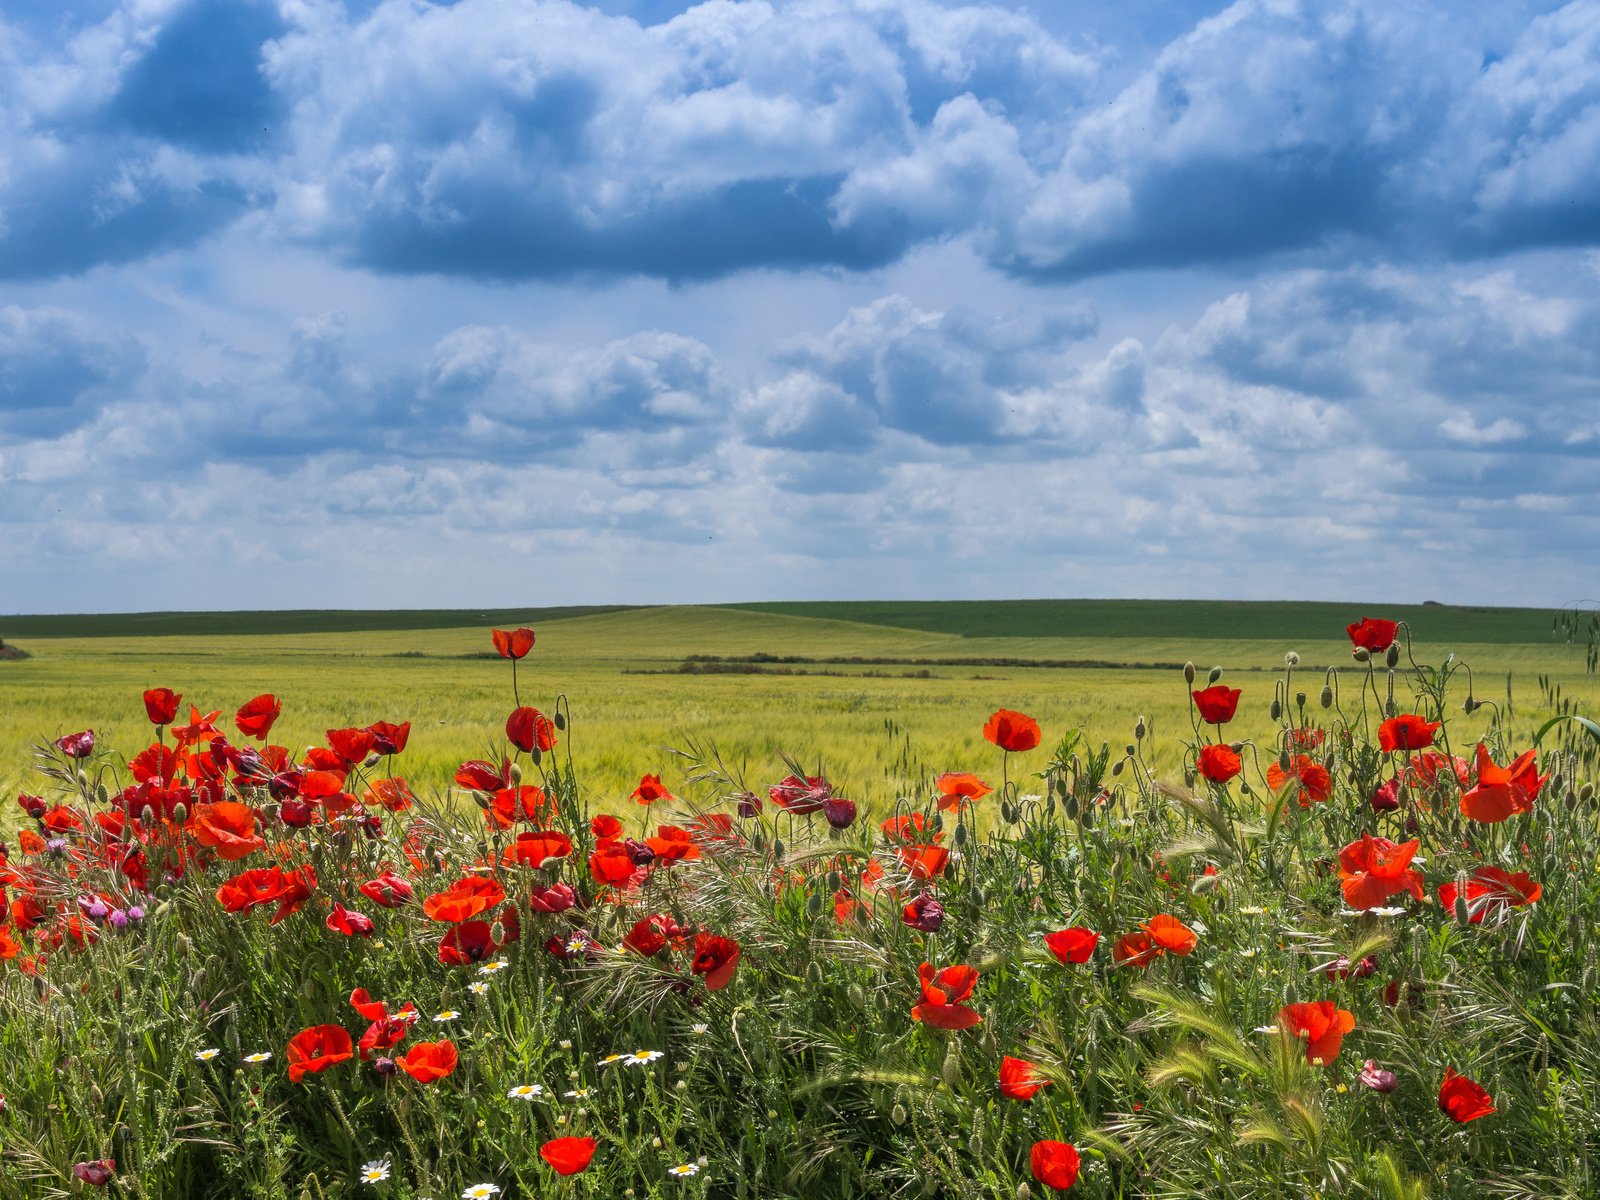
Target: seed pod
point(951, 1071)
point(1276, 711)
point(1188, 672)
point(1008, 812)
point(1392, 658)
point(1216, 674)
point(516, 772)
point(1326, 699)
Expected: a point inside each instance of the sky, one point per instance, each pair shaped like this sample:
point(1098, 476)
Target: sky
point(341, 303)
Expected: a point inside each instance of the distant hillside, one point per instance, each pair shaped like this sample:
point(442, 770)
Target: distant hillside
point(251, 624)
point(1188, 619)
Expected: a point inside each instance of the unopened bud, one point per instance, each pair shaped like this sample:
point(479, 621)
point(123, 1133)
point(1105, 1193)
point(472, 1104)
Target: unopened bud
point(1131, 750)
point(147, 817)
point(1468, 705)
point(481, 799)
point(1024, 1192)
point(1139, 729)
point(1326, 698)
point(1586, 793)
point(1008, 812)
point(1116, 767)
point(180, 812)
point(1188, 672)
point(951, 1071)
point(1276, 711)
point(1392, 658)
point(1361, 654)
point(1299, 699)
point(897, 1114)
point(1216, 674)
point(516, 772)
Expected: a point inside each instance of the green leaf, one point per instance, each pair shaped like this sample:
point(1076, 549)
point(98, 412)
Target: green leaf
point(1591, 727)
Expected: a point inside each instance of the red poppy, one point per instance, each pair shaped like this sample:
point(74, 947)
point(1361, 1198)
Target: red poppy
point(1406, 732)
point(1373, 869)
point(653, 934)
point(909, 827)
point(255, 717)
point(1502, 792)
point(650, 790)
point(1135, 949)
point(352, 745)
point(1492, 890)
point(390, 794)
point(249, 889)
point(386, 1030)
point(524, 802)
point(956, 789)
point(483, 777)
point(1309, 782)
point(429, 1062)
point(389, 739)
point(228, 827)
point(1054, 1164)
point(529, 729)
point(298, 886)
point(467, 943)
point(612, 865)
point(1320, 1024)
point(76, 745)
point(388, 889)
point(1019, 1079)
point(568, 1155)
point(96, 1172)
point(1171, 934)
point(556, 898)
point(537, 848)
point(605, 826)
point(1219, 763)
point(943, 993)
point(1011, 731)
point(1462, 1099)
point(1217, 704)
point(512, 643)
point(715, 957)
point(1372, 634)
point(923, 863)
point(161, 705)
point(801, 796)
point(351, 924)
point(1425, 769)
point(464, 899)
point(317, 1049)
point(1075, 945)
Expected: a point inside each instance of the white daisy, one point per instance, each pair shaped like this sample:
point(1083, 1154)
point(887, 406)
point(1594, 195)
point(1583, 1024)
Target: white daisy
point(525, 1091)
point(640, 1058)
point(565, 1044)
point(478, 987)
point(448, 1014)
point(207, 1055)
point(375, 1172)
point(699, 1030)
point(260, 1056)
point(577, 946)
point(1266, 1029)
point(481, 1191)
point(612, 1060)
point(578, 1094)
point(684, 1169)
point(493, 968)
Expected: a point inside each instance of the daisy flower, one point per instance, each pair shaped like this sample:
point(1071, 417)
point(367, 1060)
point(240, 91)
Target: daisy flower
point(612, 1059)
point(564, 1044)
point(698, 1030)
point(376, 1171)
point(492, 968)
point(525, 1091)
point(478, 987)
point(260, 1056)
point(448, 1014)
point(641, 1058)
point(684, 1169)
point(207, 1055)
point(481, 1191)
point(578, 1094)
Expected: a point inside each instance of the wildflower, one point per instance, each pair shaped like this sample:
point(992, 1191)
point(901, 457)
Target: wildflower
point(1219, 763)
point(612, 1059)
point(1386, 797)
point(1011, 731)
point(698, 1030)
point(958, 789)
point(1406, 732)
point(260, 1056)
point(924, 913)
point(528, 729)
point(943, 993)
point(1054, 1164)
point(161, 705)
point(1462, 1099)
point(684, 1170)
point(76, 745)
point(478, 987)
point(1373, 634)
point(208, 1054)
point(387, 890)
point(318, 1048)
point(1172, 934)
point(568, 1155)
point(577, 1094)
point(1378, 1080)
point(1502, 792)
point(1075, 945)
point(1373, 869)
point(650, 790)
point(350, 923)
point(427, 1062)
point(228, 827)
point(1019, 1079)
point(640, 1058)
point(481, 1191)
point(715, 957)
point(376, 1171)
point(1492, 890)
point(256, 716)
point(1309, 782)
point(512, 643)
point(1217, 704)
point(97, 1172)
point(556, 898)
point(526, 1091)
point(1321, 1025)
point(464, 899)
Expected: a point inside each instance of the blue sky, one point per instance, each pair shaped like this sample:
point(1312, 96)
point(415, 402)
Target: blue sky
point(309, 303)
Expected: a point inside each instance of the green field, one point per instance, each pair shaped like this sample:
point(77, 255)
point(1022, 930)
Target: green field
point(877, 701)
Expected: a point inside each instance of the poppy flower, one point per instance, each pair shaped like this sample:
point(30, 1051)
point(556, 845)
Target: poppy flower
point(351, 924)
point(605, 826)
point(388, 889)
point(909, 827)
point(529, 729)
point(161, 705)
point(1171, 934)
point(957, 789)
point(1386, 797)
point(568, 1155)
point(391, 795)
point(464, 899)
point(1075, 945)
point(1373, 869)
point(556, 898)
point(801, 796)
point(1372, 634)
point(389, 739)
point(512, 643)
point(1217, 704)
point(1406, 732)
point(715, 957)
point(256, 717)
point(76, 745)
point(387, 1030)
point(672, 844)
point(1501, 792)
point(249, 889)
point(1019, 1079)
point(1320, 1024)
point(1013, 732)
point(1219, 763)
point(653, 934)
point(1425, 769)
point(509, 805)
point(1135, 949)
point(1308, 782)
point(924, 913)
point(96, 1172)
point(1462, 1099)
point(352, 745)
point(612, 865)
point(228, 827)
point(1492, 890)
point(428, 1062)
point(467, 943)
point(298, 886)
point(1054, 1164)
point(537, 848)
point(923, 863)
point(318, 1048)
point(943, 993)
point(650, 790)
point(483, 777)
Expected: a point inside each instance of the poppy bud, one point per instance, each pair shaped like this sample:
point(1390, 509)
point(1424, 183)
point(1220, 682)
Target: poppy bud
point(180, 812)
point(1216, 674)
point(386, 1067)
point(814, 973)
point(1024, 1192)
point(295, 813)
point(958, 836)
point(777, 847)
point(839, 811)
point(749, 805)
point(1131, 750)
point(1326, 698)
point(1008, 812)
point(814, 905)
point(1463, 916)
point(1276, 710)
point(1468, 704)
point(1392, 656)
point(182, 945)
point(1586, 793)
point(516, 773)
point(1299, 699)
point(1139, 729)
point(147, 817)
point(481, 799)
point(950, 1072)
point(897, 1114)
point(1378, 1079)
point(1188, 672)
point(1387, 797)
point(1361, 654)
point(1116, 767)
point(639, 854)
